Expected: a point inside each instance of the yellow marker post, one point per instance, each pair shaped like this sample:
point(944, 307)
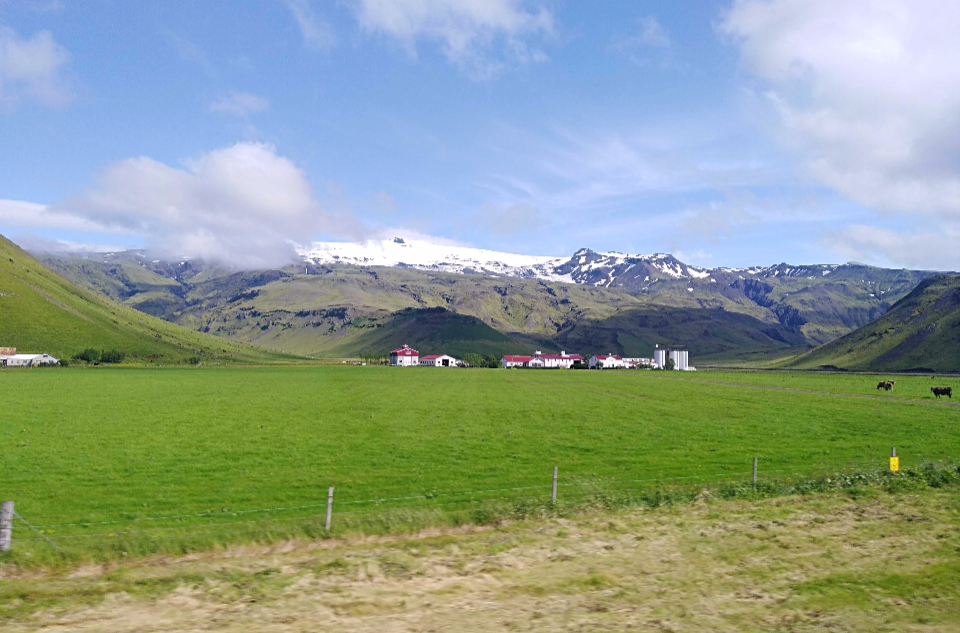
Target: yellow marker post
point(894, 461)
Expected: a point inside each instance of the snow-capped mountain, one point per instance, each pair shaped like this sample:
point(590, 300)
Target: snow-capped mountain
point(584, 267)
point(424, 255)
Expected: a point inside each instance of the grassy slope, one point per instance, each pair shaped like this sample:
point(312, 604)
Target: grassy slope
point(42, 312)
point(867, 562)
point(195, 439)
point(922, 330)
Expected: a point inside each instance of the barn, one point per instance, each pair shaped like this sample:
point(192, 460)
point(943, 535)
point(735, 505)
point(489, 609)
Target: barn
point(27, 360)
point(438, 360)
point(606, 361)
point(404, 356)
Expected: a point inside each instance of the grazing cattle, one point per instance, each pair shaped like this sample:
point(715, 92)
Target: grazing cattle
point(881, 385)
point(886, 385)
point(942, 391)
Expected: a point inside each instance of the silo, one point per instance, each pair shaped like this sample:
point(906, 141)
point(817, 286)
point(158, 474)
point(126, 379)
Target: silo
point(659, 357)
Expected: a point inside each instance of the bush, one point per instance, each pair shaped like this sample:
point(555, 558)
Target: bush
point(89, 355)
point(64, 362)
point(193, 360)
point(112, 356)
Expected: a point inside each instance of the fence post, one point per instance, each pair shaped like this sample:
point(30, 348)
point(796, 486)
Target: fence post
point(329, 507)
point(754, 470)
point(6, 525)
point(554, 497)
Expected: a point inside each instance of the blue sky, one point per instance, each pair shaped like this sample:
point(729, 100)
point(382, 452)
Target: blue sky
point(729, 133)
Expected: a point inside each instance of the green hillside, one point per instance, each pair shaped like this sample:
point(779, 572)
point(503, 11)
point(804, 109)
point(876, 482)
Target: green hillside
point(921, 331)
point(430, 331)
point(42, 312)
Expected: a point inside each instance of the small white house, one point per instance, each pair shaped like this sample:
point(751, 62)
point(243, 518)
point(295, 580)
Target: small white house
point(404, 357)
point(438, 360)
point(28, 360)
point(512, 360)
point(606, 361)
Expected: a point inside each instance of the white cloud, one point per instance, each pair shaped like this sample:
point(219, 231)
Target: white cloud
point(242, 205)
point(18, 213)
point(867, 90)
point(466, 29)
point(31, 68)
point(866, 87)
point(240, 104)
point(929, 250)
point(317, 34)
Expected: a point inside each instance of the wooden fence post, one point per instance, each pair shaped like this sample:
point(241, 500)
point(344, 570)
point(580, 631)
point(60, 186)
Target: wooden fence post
point(6, 525)
point(554, 497)
point(754, 470)
point(329, 507)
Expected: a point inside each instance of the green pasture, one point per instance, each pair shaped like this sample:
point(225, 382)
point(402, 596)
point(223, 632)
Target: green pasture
point(81, 441)
point(864, 384)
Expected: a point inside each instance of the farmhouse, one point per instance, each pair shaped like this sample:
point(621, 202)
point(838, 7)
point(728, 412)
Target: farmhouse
point(515, 361)
point(404, 357)
point(438, 360)
point(606, 361)
point(27, 360)
point(637, 363)
point(562, 360)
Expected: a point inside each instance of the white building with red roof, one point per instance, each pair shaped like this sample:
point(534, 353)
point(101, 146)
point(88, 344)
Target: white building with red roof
point(562, 360)
point(606, 361)
point(405, 356)
point(509, 361)
point(438, 360)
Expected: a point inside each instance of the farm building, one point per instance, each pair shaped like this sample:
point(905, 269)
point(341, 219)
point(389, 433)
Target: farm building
point(637, 363)
point(8, 351)
point(27, 360)
point(606, 361)
point(404, 357)
point(515, 361)
point(438, 360)
point(562, 360)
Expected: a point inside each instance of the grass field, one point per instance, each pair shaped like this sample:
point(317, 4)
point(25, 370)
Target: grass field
point(906, 387)
point(869, 562)
point(103, 444)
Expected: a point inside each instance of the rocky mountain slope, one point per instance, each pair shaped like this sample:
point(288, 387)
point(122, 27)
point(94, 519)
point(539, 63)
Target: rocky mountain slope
point(920, 332)
point(312, 306)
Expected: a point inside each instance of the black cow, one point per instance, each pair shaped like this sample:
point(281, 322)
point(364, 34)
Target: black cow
point(942, 391)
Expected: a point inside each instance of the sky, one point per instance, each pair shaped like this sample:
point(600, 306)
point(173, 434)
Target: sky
point(730, 133)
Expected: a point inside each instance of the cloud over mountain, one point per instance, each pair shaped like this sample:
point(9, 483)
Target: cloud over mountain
point(242, 205)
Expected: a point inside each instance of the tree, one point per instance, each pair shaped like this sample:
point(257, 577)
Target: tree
point(112, 356)
point(669, 365)
point(89, 355)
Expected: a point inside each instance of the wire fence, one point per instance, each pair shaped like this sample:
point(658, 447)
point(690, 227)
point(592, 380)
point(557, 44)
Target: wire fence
point(387, 511)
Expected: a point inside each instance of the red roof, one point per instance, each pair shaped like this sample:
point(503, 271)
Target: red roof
point(518, 359)
point(432, 356)
point(606, 356)
point(405, 351)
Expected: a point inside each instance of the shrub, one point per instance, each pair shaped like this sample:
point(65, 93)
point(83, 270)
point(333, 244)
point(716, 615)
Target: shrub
point(193, 360)
point(89, 355)
point(112, 356)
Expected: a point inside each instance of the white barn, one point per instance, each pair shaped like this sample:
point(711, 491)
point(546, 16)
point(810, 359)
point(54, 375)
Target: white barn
point(404, 357)
point(28, 360)
point(438, 360)
point(606, 361)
